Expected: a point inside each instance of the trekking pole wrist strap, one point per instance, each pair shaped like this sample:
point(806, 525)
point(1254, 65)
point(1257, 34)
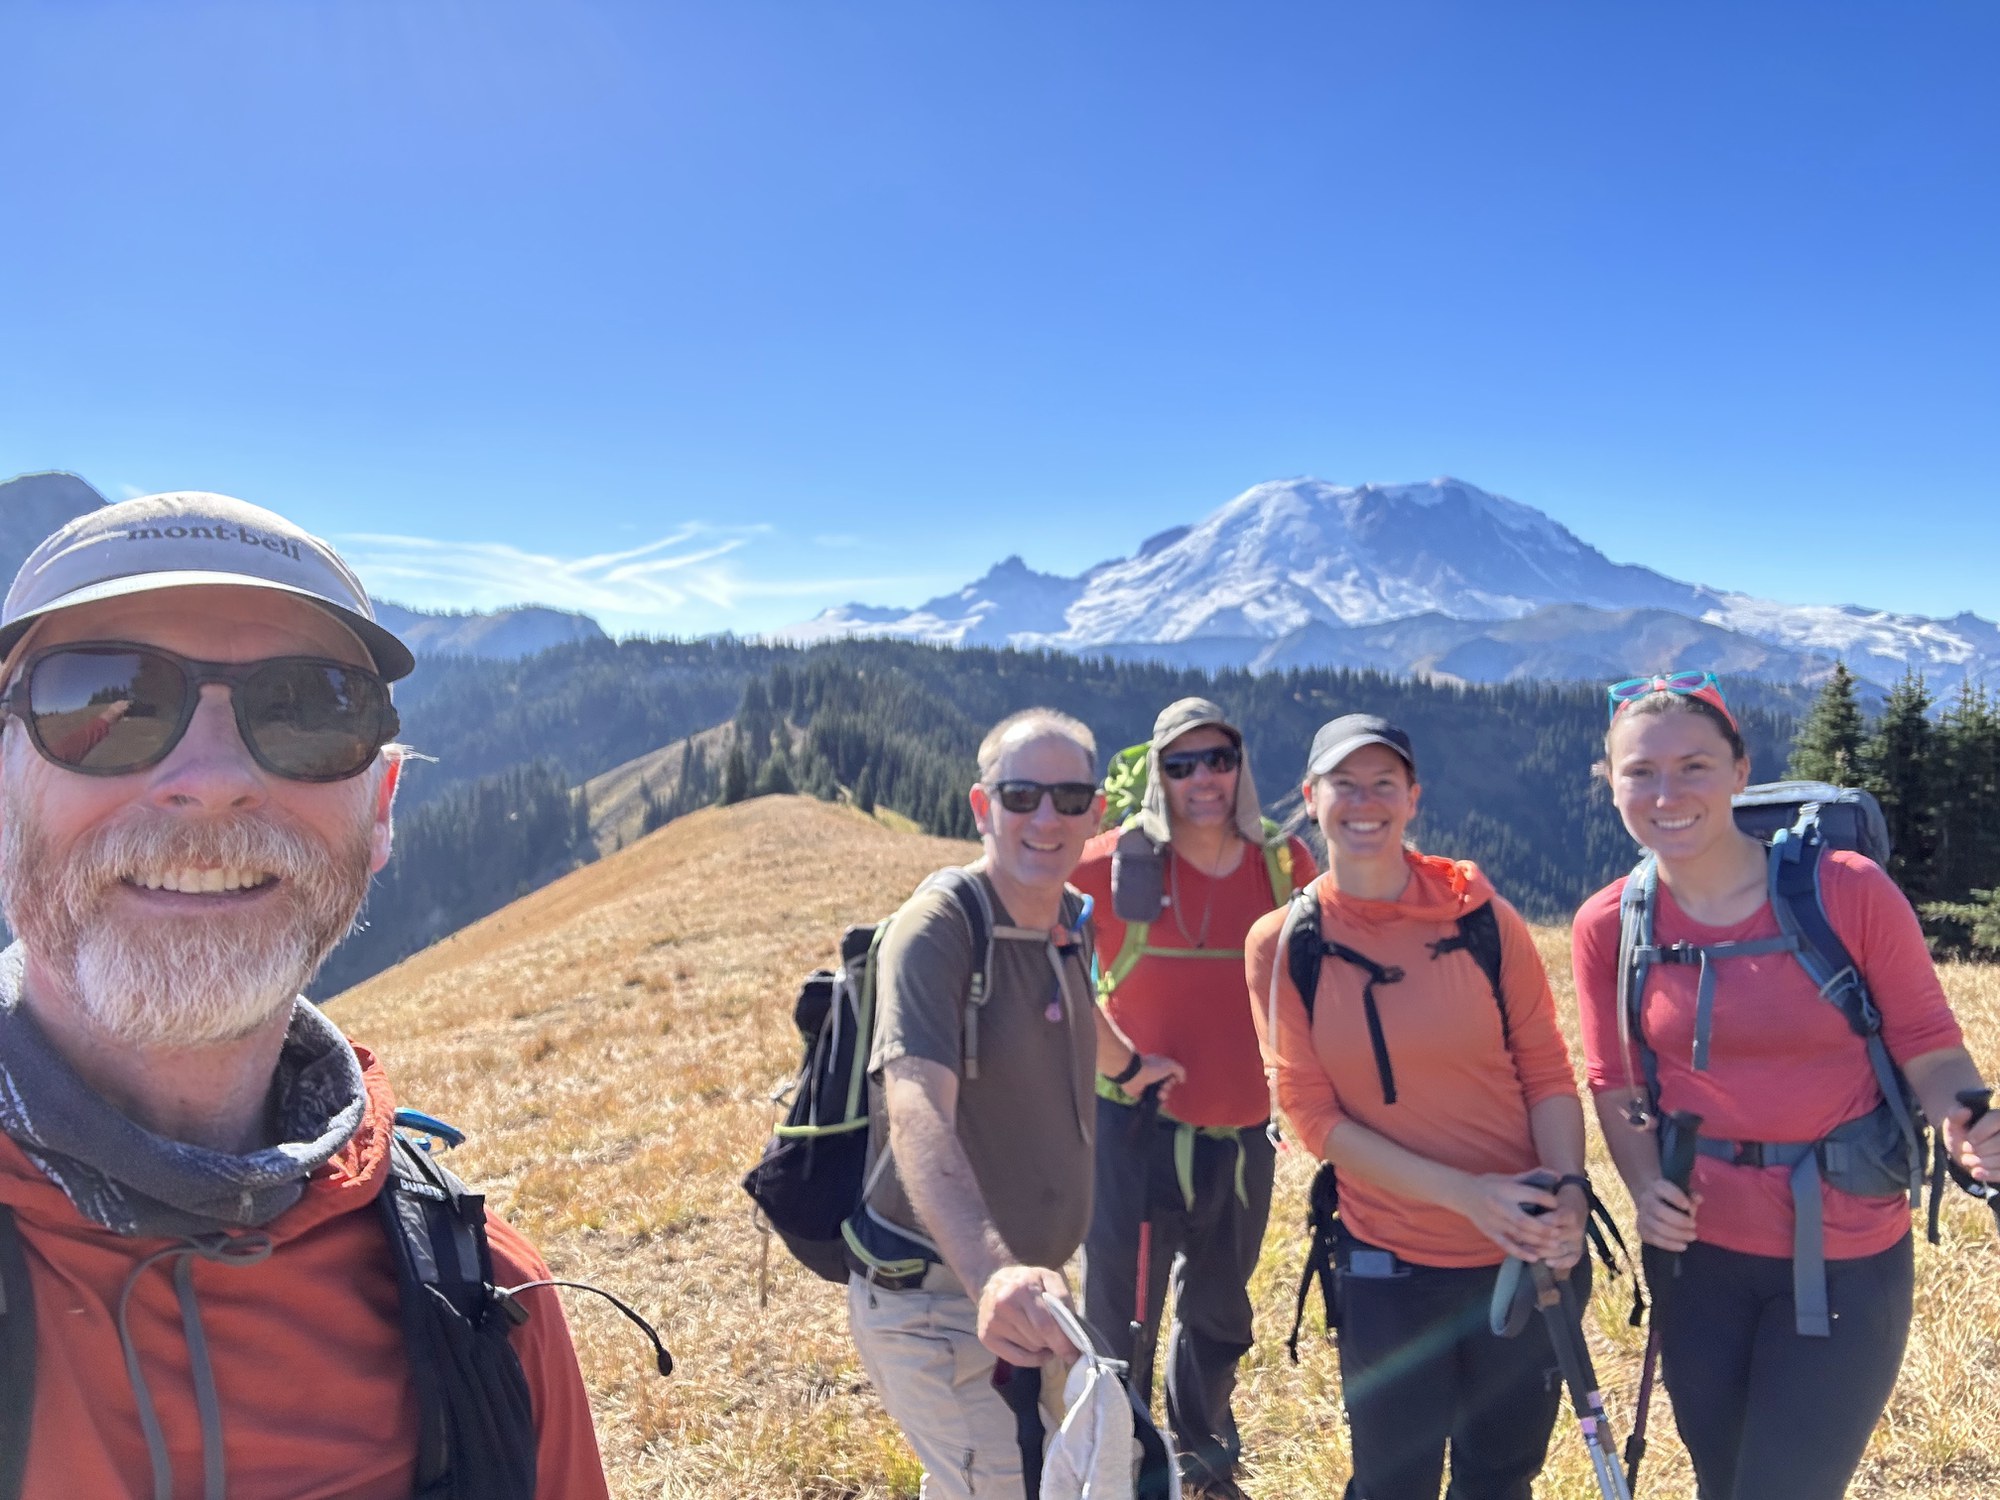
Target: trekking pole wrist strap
point(1131, 1070)
point(1575, 1180)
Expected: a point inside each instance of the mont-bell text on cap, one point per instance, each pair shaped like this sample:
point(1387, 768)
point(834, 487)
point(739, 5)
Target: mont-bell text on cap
point(191, 539)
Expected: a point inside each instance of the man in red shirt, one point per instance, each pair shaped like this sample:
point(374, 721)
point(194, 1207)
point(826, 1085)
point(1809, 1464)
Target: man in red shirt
point(202, 1292)
point(1187, 1190)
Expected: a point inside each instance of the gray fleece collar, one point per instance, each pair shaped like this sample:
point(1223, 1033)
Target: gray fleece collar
point(136, 1183)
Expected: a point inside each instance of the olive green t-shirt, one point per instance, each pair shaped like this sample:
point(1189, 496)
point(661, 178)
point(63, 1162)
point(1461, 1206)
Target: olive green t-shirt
point(1026, 1120)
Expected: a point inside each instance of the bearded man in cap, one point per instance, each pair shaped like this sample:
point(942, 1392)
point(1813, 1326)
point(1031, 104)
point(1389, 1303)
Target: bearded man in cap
point(1183, 1172)
point(202, 1288)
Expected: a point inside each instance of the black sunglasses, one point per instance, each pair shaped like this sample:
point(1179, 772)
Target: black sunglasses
point(108, 708)
point(1071, 798)
point(1178, 765)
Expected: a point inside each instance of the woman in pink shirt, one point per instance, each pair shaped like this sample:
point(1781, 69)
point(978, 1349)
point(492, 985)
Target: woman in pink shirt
point(1778, 1367)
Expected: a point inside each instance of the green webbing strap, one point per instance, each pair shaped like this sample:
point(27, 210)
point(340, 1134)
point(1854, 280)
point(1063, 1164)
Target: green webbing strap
point(1278, 866)
point(1184, 1136)
point(1133, 945)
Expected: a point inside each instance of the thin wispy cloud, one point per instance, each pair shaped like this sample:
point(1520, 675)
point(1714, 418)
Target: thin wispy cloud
point(684, 579)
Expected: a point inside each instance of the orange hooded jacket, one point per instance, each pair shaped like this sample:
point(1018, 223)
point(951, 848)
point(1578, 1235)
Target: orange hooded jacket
point(306, 1346)
point(1462, 1092)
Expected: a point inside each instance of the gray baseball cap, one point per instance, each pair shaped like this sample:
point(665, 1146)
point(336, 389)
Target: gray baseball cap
point(184, 540)
point(1339, 738)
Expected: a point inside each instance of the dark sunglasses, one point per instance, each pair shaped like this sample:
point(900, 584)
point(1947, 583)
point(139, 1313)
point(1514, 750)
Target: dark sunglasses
point(108, 708)
point(1071, 798)
point(1178, 765)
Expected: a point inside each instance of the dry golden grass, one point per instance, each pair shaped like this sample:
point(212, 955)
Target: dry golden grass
point(611, 1043)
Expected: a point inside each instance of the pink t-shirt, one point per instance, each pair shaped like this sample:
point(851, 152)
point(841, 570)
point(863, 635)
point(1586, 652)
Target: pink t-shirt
point(1783, 1064)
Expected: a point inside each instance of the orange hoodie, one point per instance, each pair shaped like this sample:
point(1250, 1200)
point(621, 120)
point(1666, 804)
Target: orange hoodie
point(1462, 1095)
point(307, 1347)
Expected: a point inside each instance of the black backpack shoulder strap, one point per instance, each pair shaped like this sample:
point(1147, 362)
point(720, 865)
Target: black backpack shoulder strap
point(1479, 935)
point(1303, 948)
point(476, 1428)
point(17, 1357)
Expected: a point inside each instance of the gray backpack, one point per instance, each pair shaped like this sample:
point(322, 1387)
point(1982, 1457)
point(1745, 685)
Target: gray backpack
point(1881, 1154)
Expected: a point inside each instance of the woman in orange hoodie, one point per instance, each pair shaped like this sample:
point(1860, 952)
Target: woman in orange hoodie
point(1437, 1095)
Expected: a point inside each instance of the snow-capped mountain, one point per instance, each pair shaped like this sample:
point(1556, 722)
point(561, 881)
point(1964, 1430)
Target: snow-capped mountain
point(1441, 578)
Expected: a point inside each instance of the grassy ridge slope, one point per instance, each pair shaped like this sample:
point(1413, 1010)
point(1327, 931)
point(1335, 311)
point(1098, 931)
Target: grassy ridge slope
point(611, 1042)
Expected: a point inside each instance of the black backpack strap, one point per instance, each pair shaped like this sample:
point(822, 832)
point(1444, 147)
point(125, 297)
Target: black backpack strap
point(476, 1427)
point(1307, 947)
point(1377, 974)
point(17, 1357)
point(1322, 1212)
point(1302, 947)
point(1479, 934)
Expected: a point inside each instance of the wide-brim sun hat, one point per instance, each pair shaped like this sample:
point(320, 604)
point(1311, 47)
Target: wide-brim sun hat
point(1184, 716)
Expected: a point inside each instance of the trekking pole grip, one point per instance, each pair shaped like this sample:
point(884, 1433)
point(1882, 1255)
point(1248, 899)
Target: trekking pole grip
point(1978, 1101)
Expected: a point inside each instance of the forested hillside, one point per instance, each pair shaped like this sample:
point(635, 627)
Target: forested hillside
point(1936, 771)
point(489, 814)
point(1505, 769)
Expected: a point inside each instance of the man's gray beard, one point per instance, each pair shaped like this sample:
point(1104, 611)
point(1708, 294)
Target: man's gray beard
point(191, 982)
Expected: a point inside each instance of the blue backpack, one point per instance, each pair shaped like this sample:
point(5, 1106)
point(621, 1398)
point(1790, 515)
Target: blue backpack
point(1880, 1154)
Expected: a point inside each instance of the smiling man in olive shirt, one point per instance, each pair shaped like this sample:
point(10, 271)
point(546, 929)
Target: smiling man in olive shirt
point(980, 1176)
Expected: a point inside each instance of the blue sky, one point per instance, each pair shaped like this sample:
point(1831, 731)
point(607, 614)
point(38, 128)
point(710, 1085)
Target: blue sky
point(701, 316)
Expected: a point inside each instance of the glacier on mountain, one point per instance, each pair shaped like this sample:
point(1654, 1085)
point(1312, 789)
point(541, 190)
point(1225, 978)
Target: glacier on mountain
point(1300, 572)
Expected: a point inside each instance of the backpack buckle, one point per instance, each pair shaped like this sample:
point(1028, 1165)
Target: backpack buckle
point(1747, 1154)
point(1678, 953)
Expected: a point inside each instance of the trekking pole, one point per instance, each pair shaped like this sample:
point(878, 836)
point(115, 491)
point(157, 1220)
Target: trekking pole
point(1148, 1117)
point(1979, 1102)
point(1677, 1166)
point(1555, 1299)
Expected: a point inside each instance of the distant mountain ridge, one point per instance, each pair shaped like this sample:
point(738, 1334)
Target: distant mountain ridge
point(34, 505)
point(1441, 578)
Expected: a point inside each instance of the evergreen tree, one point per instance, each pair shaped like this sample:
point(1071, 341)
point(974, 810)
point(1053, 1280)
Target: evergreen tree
point(656, 810)
point(1899, 766)
point(755, 724)
point(735, 776)
point(774, 778)
point(864, 790)
point(1968, 799)
point(1828, 747)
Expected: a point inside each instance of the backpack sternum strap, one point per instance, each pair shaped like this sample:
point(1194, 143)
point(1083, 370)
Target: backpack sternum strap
point(1705, 955)
point(1377, 974)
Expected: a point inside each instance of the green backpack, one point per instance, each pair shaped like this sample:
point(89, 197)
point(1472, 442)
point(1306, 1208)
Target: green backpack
point(1138, 871)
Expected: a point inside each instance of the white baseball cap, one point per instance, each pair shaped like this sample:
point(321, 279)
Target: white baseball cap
point(190, 539)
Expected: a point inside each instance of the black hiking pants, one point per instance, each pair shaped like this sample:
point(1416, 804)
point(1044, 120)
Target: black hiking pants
point(1766, 1413)
point(1204, 1252)
point(1421, 1372)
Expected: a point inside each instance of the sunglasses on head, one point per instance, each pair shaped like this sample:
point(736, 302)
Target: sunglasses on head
point(1178, 765)
point(1700, 685)
point(1071, 798)
point(108, 708)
